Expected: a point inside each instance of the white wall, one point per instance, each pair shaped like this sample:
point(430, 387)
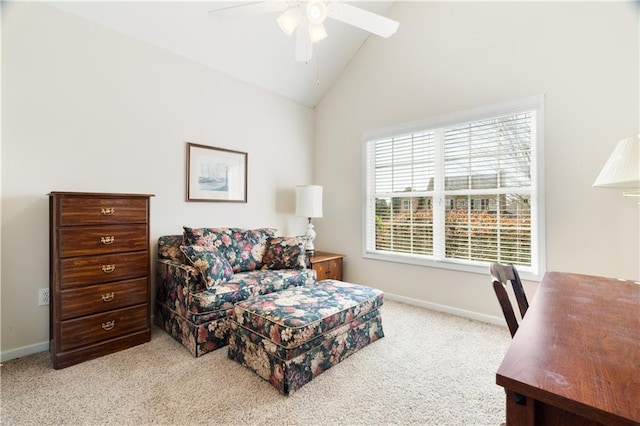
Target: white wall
point(88, 109)
point(454, 56)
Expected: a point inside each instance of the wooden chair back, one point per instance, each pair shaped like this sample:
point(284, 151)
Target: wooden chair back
point(502, 275)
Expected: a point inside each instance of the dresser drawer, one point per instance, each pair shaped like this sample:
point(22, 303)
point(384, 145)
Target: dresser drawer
point(101, 211)
point(96, 328)
point(100, 298)
point(81, 271)
point(89, 240)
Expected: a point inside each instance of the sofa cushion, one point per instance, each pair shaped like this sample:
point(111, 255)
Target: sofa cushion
point(294, 316)
point(213, 267)
point(243, 248)
point(244, 285)
point(285, 253)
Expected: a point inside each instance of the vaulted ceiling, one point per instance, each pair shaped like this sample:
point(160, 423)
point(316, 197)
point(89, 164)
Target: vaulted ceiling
point(251, 48)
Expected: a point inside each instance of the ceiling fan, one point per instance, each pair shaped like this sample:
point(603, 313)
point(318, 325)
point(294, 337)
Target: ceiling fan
point(306, 18)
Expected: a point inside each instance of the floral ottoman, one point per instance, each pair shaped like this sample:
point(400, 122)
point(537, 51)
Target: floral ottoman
point(291, 336)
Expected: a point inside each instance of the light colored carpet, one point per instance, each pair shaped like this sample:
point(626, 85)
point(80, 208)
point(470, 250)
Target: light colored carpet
point(430, 369)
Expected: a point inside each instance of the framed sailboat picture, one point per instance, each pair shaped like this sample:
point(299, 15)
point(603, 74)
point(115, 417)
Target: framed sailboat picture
point(216, 174)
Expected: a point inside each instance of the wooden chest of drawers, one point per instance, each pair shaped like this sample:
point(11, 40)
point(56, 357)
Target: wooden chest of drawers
point(99, 274)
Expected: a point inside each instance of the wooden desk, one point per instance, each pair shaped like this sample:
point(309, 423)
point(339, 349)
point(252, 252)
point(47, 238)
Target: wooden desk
point(575, 359)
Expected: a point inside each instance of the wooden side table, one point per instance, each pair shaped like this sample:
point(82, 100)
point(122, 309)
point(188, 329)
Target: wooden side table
point(327, 265)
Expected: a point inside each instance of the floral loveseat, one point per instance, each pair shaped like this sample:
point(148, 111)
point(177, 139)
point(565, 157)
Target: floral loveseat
point(203, 273)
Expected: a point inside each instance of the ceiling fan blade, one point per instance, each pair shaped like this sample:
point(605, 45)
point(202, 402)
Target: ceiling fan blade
point(304, 46)
point(363, 19)
point(245, 9)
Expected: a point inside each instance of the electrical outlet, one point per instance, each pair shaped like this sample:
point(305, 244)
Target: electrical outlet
point(43, 297)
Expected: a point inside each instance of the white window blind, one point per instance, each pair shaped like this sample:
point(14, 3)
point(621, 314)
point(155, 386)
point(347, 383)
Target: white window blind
point(457, 191)
point(403, 169)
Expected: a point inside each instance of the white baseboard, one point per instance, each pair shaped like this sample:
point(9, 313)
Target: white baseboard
point(447, 309)
point(24, 351)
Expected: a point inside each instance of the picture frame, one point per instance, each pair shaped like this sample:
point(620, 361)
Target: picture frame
point(216, 174)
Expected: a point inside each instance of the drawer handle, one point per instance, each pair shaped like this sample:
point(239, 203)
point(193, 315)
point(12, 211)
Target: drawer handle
point(107, 240)
point(108, 325)
point(108, 212)
point(107, 269)
point(108, 297)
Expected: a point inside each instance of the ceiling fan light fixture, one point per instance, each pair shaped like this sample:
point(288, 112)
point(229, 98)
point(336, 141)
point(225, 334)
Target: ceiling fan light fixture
point(316, 11)
point(306, 18)
point(289, 20)
point(317, 32)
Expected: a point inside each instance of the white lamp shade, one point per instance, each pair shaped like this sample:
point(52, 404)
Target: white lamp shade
point(288, 21)
point(309, 200)
point(317, 32)
point(316, 11)
point(622, 169)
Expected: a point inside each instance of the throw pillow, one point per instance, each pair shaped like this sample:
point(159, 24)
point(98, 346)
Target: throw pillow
point(213, 267)
point(243, 248)
point(285, 253)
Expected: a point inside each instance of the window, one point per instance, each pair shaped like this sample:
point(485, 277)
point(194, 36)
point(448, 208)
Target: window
point(459, 191)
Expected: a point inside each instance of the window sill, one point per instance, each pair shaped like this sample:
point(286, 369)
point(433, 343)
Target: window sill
point(479, 268)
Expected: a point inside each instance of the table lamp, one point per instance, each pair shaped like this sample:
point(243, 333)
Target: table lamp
point(622, 169)
point(309, 205)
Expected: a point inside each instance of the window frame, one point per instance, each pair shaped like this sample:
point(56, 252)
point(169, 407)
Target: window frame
point(538, 258)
